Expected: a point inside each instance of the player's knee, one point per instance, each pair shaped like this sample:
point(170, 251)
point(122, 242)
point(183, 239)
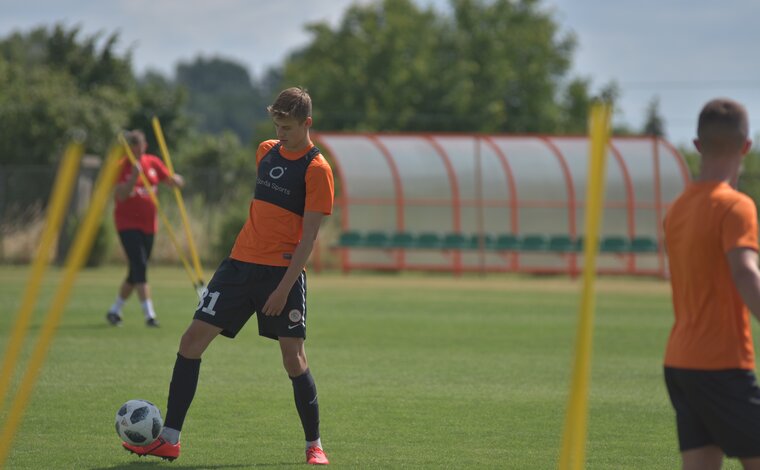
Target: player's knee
point(294, 364)
point(191, 345)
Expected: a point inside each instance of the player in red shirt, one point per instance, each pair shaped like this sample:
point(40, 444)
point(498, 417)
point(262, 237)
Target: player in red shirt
point(264, 274)
point(136, 222)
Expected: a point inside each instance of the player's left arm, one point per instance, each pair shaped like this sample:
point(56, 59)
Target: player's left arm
point(739, 240)
point(172, 180)
point(175, 180)
point(277, 299)
point(743, 263)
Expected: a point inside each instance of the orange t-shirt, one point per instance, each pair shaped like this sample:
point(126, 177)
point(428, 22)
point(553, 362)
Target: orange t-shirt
point(712, 324)
point(271, 233)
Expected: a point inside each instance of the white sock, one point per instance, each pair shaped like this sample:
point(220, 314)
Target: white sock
point(317, 443)
point(117, 305)
point(147, 307)
point(170, 434)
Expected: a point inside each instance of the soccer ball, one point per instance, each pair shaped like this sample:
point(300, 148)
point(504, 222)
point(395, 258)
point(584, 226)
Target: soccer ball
point(138, 422)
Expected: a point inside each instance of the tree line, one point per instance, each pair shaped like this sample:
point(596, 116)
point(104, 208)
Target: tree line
point(390, 65)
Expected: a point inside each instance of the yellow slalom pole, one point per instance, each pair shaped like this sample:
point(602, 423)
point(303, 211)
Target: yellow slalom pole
point(180, 202)
point(573, 453)
point(197, 284)
point(74, 262)
point(59, 202)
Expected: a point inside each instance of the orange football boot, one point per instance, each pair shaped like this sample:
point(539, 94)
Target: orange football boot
point(158, 448)
point(316, 456)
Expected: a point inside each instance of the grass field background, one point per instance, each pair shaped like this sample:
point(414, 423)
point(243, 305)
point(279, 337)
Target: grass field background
point(413, 371)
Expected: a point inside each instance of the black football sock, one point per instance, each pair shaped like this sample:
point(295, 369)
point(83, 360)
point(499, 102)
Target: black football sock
point(181, 390)
point(305, 393)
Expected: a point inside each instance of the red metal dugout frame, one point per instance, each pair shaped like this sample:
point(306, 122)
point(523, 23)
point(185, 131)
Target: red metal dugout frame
point(674, 176)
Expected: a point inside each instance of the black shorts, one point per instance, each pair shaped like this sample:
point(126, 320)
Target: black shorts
point(720, 407)
point(238, 290)
point(137, 246)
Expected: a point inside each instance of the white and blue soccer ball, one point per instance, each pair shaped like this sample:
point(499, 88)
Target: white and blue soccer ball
point(138, 422)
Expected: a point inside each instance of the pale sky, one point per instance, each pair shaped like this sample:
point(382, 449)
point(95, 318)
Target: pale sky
point(684, 51)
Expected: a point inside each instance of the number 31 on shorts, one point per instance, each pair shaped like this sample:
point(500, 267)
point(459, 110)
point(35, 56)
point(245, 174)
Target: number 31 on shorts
point(213, 297)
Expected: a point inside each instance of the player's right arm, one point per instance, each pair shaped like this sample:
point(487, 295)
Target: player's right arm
point(124, 188)
point(746, 274)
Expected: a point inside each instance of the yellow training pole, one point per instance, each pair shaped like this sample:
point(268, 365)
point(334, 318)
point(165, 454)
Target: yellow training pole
point(149, 188)
point(180, 202)
point(573, 453)
point(59, 202)
point(74, 262)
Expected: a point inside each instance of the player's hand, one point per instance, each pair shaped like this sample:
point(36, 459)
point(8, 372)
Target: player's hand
point(275, 302)
point(177, 181)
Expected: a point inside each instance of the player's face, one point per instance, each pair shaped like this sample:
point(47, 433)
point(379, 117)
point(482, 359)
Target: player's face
point(293, 135)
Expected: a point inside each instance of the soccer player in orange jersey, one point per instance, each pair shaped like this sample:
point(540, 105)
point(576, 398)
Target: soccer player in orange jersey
point(712, 244)
point(264, 274)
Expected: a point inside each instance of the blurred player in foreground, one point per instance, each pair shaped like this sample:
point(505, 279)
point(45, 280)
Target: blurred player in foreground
point(712, 245)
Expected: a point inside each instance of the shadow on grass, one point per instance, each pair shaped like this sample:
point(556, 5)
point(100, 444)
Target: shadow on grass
point(157, 464)
point(72, 327)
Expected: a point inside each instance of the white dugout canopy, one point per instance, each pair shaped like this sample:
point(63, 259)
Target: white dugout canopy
point(473, 202)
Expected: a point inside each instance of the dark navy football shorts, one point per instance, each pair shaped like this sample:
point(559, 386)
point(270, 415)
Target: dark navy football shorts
point(137, 246)
point(238, 290)
point(716, 407)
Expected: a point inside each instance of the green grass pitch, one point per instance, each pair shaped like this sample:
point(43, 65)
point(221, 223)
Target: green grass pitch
point(413, 372)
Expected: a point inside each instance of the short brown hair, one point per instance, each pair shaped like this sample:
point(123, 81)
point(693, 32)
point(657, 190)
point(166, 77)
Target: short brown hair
point(136, 137)
point(292, 102)
point(723, 125)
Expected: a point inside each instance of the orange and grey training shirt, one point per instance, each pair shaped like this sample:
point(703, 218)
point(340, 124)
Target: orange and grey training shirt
point(287, 184)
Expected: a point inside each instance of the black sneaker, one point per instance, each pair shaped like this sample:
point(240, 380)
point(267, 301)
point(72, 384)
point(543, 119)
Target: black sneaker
point(113, 318)
point(151, 322)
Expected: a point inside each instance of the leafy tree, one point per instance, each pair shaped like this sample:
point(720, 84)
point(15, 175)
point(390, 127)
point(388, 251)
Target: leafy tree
point(219, 164)
point(82, 58)
point(654, 124)
point(221, 96)
point(494, 66)
point(54, 83)
point(165, 100)
point(692, 159)
point(749, 180)
point(576, 106)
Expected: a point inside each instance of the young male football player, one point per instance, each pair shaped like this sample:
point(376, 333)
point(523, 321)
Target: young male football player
point(264, 273)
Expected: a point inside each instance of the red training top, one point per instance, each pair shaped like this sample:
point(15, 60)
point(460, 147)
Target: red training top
point(137, 212)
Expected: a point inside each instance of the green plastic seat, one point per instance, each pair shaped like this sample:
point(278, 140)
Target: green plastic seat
point(561, 244)
point(428, 240)
point(614, 244)
point(506, 242)
point(401, 240)
point(376, 240)
point(643, 245)
point(350, 239)
point(578, 243)
point(534, 242)
point(477, 240)
point(454, 241)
